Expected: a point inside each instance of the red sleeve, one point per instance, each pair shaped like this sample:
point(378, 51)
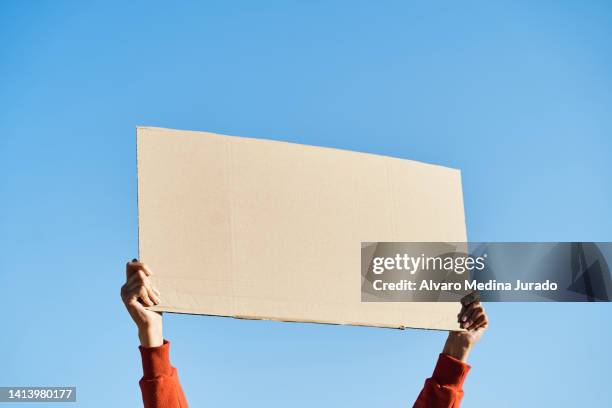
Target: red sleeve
point(444, 388)
point(160, 384)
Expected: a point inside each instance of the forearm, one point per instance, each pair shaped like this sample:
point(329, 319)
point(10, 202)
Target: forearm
point(444, 389)
point(151, 335)
point(160, 384)
point(456, 346)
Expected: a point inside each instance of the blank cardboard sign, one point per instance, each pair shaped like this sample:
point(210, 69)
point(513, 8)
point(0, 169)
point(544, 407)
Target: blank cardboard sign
point(260, 229)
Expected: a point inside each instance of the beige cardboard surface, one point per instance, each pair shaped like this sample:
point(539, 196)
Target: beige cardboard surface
point(260, 229)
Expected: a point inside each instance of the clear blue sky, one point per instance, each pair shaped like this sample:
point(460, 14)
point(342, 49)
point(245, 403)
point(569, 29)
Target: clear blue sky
point(517, 95)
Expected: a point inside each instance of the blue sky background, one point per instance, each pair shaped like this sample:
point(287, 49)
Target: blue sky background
point(517, 95)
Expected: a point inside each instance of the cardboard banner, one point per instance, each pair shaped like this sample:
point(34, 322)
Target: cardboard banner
point(260, 229)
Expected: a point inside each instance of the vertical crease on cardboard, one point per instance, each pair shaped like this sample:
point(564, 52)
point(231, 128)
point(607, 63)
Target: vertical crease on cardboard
point(462, 203)
point(230, 200)
point(392, 195)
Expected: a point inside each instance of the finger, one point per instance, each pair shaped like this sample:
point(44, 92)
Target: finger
point(135, 281)
point(466, 302)
point(470, 298)
point(146, 269)
point(473, 314)
point(461, 312)
point(467, 310)
point(152, 295)
point(130, 268)
point(138, 278)
point(478, 323)
point(131, 291)
point(134, 287)
point(124, 293)
point(131, 296)
point(134, 266)
point(135, 303)
point(143, 295)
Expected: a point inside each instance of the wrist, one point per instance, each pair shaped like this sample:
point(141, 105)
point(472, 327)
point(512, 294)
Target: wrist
point(150, 336)
point(457, 347)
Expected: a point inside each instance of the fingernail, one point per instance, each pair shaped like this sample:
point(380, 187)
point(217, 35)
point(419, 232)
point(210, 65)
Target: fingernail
point(464, 318)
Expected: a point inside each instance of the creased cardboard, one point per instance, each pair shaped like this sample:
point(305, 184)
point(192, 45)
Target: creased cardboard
point(260, 229)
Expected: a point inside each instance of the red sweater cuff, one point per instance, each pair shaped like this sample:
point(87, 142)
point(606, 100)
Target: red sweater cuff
point(156, 360)
point(450, 371)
